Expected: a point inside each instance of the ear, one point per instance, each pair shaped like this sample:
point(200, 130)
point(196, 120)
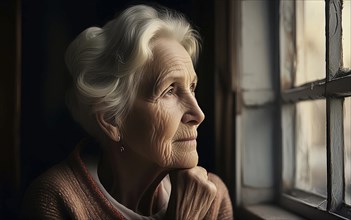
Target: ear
point(112, 131)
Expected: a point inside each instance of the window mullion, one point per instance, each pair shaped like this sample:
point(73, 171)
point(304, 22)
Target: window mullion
point(333, 37)
point(334, 107)
point(335, 156)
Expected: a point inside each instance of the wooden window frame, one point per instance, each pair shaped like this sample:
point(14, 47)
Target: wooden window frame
point(235, 51)
point(334, 88)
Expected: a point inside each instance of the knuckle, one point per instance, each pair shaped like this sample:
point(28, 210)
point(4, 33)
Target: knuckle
point(211, 187)
point(202, 170)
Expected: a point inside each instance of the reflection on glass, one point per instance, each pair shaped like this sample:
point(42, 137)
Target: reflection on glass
point(311, 158)
point(346, 36)
point(310, 41)
point(347, 144)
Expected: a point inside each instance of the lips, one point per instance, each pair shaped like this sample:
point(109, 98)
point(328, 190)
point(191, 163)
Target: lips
point(188, 137)
point(185, 136)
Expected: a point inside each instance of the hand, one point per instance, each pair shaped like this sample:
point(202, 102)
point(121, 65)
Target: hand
point(192, 194)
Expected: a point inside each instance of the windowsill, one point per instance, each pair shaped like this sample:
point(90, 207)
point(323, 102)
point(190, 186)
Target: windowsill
point(265, 212)
point(269, 211)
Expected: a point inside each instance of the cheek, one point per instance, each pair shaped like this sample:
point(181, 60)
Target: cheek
point(166, 123)
point(165, 127)
point(149, 131)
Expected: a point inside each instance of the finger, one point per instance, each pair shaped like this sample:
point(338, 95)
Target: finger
point(200, 173)
point(212, 188)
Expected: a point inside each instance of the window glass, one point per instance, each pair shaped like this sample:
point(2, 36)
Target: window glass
point(311, 166)
point(347, 144)
point(346, 36)
point(310, 42)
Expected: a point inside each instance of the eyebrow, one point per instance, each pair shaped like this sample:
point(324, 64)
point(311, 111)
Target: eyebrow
point(171, 75)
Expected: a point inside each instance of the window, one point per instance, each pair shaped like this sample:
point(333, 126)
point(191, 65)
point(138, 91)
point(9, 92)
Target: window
point(310, 151)
point(315, 83)
point(288, 67)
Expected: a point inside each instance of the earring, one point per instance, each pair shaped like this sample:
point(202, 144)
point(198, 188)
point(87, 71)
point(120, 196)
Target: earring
point(118, 140)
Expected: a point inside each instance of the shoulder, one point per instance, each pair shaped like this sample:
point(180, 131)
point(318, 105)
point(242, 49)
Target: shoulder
point(44, 198)
point(222, 206)
point(53, 178)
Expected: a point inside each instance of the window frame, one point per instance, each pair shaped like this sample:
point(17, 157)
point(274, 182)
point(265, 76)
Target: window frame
point(334, 88)
point(234, 51)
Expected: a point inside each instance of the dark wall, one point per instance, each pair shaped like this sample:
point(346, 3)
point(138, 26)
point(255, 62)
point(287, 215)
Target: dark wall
point(9, 110)
point(48, 133)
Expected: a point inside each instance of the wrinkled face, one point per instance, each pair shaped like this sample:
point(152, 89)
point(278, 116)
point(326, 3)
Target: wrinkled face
point(161, 126)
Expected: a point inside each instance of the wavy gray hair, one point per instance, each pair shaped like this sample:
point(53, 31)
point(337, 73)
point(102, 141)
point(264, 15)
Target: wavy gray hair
point(107, 63)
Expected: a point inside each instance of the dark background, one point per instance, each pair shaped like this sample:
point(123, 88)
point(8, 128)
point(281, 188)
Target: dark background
point(47, 132)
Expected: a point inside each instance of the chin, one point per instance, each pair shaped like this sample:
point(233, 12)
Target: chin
point(189, 161)
point(184, 160)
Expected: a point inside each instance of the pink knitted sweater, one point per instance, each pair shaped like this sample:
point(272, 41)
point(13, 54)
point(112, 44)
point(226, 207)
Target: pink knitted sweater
point(68, 191)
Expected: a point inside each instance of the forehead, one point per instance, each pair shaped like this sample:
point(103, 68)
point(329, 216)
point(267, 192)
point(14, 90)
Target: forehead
point(164, 49)
point(169, 56)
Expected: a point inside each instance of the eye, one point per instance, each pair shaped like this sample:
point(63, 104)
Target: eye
point(170, 91)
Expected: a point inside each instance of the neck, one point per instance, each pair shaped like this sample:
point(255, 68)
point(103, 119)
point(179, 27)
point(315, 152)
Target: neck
point(130, 179)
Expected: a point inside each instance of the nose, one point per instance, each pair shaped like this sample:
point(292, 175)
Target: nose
point(193, 114)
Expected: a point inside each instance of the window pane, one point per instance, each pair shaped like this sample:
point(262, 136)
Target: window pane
point(346, 36)
point(310, 41)
point(311, 165)
point(347, 142)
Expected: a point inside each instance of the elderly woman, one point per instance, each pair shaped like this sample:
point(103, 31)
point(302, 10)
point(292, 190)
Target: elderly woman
point(134, 84)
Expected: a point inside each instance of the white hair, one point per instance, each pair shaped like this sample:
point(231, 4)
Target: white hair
point(107, 63)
